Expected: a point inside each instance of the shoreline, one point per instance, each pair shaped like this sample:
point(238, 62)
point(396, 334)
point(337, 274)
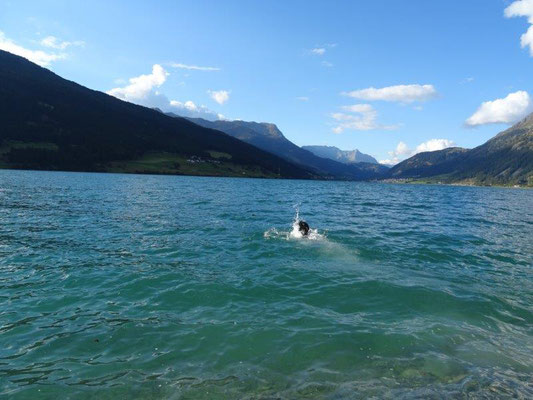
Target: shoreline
point(411, 181)
point(389, 181)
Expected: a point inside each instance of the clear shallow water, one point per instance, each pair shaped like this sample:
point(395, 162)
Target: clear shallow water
point(124, 286)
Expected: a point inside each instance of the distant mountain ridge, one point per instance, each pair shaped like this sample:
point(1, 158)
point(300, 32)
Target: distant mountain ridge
point(344, 156)
point(427, 164)
point(268, 137)
point(47, 122)
point(507, 158)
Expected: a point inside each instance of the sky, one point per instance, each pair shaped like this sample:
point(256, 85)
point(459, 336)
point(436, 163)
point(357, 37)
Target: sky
point(389, 77)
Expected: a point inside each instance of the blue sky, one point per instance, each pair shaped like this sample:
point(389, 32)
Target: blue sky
point(387, 77)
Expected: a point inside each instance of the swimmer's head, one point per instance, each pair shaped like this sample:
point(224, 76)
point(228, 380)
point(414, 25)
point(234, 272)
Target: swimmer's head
point(303, 227)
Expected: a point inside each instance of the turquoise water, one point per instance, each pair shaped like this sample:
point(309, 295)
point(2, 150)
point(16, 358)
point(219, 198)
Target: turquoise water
point(129, 286)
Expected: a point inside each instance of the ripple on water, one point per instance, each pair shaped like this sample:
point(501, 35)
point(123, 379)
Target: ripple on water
point(117, 286)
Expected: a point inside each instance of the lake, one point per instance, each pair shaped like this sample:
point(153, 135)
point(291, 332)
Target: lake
point(137, 286)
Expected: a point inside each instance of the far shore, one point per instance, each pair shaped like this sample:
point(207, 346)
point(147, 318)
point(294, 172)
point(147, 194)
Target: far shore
point(403, 181)
point(413, 181)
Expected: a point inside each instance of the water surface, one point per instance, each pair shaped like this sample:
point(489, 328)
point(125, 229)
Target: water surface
point(161, 287)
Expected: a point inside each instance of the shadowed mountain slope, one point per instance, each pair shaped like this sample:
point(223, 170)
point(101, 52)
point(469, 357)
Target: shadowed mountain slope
point(48, 122)
point(268, 137)
point(507, 158)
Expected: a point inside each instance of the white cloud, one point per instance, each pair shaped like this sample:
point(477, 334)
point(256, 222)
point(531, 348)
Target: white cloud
point(55, 43)
point(402, 151)
point(398, 93)
point(434, 145)
point(194, 67)
point(321, 49)
point(39, 57)
point(142, 90)
point(303, 98)
point(141, 87)
point(327, 64)
point(508, 110)
point(318, 51)
point(191, 110)
point(358, 117)
point(527, 40)
point(220, 96)
point(389, 161)
point(523, 8)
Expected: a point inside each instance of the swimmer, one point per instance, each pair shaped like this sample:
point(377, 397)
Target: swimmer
point(303, 227)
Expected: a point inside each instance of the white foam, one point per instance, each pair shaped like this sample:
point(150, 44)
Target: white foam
point(313, 234)
point(295, 232)
point(271, 233)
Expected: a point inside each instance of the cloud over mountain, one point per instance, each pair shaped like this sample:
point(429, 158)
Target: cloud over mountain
point(142, 90)
point(140, 87)
point(402, 151)
point(39, 57)
point(55, 43)
point(191, 110)
point(507, 110)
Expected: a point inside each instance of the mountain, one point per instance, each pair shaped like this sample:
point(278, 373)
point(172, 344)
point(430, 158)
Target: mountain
point(48, 122)
point(344, 156)
point(268, 137)
point(428, 163)
point(505, 159)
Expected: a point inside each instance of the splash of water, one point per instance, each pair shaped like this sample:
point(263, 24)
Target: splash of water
point(294, 233)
